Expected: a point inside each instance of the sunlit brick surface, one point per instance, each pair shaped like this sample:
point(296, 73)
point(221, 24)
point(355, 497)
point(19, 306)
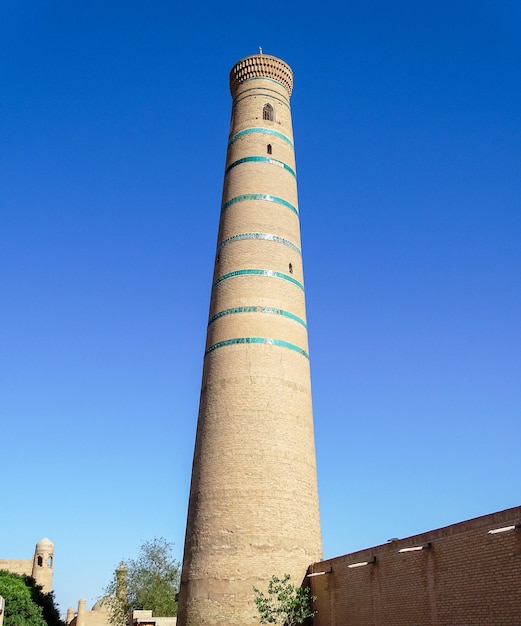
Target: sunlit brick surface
point(253, 509)
point(466, 577)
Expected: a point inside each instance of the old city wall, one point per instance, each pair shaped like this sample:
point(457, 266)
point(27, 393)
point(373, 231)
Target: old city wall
point(40, 567)
point(17, 566)
point(467, 577)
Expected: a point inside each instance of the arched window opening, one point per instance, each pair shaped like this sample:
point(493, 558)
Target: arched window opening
point(49, 562)
point(291, 268)
point(39, 560)
point(269, 148)
point(268, 113)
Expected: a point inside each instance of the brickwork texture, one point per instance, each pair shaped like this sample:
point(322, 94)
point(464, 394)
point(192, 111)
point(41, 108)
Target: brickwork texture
point(253, 508)
point(40, 567)
point(464, 576)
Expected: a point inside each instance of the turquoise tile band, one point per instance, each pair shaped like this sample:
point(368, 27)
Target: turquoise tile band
point(264, 340)
point(260, 159)
point(256, 309)
point(259, 196)
point(264, 236)
point(265, 131)
point(258, 273)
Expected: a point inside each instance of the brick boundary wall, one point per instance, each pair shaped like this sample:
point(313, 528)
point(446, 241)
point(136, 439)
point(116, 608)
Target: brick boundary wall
point(17, 566)
point(467, 577)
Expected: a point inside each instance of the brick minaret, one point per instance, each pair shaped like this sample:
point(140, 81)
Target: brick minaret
point(253, 509)
point(43, 564)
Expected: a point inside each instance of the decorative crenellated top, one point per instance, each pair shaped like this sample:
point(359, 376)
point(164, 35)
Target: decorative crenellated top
point(261, 66)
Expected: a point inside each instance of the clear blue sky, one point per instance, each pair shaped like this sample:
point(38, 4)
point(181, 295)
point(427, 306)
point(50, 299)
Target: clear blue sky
point(113, 127)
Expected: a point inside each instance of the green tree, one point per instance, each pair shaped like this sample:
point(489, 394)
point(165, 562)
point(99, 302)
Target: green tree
point(46, 601)
point(151, 581)
point(284, 604)
point(20, 608)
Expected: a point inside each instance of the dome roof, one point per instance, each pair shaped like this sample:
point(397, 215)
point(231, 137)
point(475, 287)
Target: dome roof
point(103, 604)
point(45, 543)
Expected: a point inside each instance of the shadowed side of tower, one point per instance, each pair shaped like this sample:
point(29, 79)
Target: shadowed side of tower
point(253, 508)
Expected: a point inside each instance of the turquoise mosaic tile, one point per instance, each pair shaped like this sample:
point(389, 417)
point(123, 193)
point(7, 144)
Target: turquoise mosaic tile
point(256, 309)
point(264, 340)
point(260, 159)
point(266, 131)
point(258, 273)
point(264, 236)
point(259, 196)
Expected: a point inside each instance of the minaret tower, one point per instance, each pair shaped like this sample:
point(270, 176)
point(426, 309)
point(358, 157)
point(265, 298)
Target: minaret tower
point(253, 509)
point(43, 564)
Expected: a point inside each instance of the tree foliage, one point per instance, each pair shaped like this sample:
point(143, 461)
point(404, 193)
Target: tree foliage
point(20, 608)
point(46, 601)
point(151, 581)
point(284, 604)
point(26, 604)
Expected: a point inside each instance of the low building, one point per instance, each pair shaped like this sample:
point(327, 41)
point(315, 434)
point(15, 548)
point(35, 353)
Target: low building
point(145, 618)
point(466, 574)
point(98, 616)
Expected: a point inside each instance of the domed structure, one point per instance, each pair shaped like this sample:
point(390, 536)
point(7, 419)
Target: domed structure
point(43, 563)
point(103, 604)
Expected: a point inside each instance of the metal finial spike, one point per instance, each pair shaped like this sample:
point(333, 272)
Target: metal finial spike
point(260, 50)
